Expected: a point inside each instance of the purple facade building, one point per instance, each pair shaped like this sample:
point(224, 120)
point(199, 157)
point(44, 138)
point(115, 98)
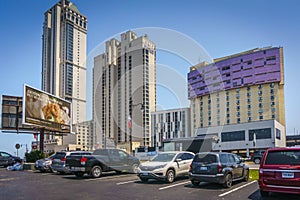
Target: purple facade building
point(253, 67)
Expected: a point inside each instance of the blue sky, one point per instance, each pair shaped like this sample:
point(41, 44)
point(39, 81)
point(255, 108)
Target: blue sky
point(221, 27)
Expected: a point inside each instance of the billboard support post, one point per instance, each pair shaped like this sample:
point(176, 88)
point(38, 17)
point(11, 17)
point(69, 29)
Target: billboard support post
point(42, 134)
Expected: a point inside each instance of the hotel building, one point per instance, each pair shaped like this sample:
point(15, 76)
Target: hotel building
point(64, 58)
point(229, 95)
point(124, 92)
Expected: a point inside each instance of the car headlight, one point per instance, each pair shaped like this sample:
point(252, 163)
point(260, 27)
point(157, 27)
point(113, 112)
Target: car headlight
point(159, 166)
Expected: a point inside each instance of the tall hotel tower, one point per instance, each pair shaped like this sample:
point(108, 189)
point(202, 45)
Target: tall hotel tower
point(124, 92)
point(243, 95)
point(64, 56)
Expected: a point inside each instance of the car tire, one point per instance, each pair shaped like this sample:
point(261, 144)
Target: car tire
point(246, 176)
point(79, 174)
point(144, 180)
point(228, 181)
point(257, 160)
point(170, 176)
point(195, 183)
point(264, 193)
point(96, 171)
point(134, 168)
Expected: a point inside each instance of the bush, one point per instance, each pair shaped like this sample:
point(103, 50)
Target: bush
point(34, 156)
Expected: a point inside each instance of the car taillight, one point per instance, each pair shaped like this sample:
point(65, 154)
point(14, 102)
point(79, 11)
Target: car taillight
point(63, 159)
point(220, 168)
point(252, 154)
point(83, 160)
point(190, 167)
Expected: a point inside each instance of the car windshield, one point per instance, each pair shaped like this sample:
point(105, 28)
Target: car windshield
point(164, 157)
point(205, 158)
point(283, 158)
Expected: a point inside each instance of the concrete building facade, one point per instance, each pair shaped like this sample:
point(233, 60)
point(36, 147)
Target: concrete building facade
point(168, 124)
point(64, 56)
point(124, 92)
point(64, 61)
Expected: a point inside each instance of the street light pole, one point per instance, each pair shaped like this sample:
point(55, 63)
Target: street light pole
point(131, 106)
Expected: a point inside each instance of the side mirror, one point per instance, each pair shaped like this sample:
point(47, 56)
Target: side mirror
point(178, 160)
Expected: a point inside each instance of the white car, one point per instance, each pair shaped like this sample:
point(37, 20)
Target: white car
point(166, 166)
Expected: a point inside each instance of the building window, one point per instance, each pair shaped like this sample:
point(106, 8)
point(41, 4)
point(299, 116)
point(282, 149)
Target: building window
point(228, 121)
point(278, 134)
point(261, 117)
point(259, 86)
point(260, 134)
point(233, 136)
point(272, 98)
point(273, 116)
point(272, 85)
point(260, 105)
point(259, 92)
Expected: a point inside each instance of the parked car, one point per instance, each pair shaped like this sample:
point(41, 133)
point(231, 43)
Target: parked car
point(7, 159)
point(166, 166)
point(102, 160)
point(280, 171)
point(44, 165)
point(217, 167)
point(257, 155)
point(59, 160)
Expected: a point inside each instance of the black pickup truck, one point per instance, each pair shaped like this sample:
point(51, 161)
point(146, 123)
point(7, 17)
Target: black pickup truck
point(102, 160)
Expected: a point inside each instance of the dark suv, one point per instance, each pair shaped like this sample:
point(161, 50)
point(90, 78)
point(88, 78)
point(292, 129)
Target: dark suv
point(6, 159)
point(217, 167)
point(257, 156)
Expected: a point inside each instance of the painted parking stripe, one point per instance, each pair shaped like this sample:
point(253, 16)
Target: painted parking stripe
point(122, 183)
point(105, 178)
point(221, 195)
point(170, 186)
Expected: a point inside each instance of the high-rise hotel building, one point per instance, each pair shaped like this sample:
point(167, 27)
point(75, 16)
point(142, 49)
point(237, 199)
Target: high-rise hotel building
point(64, 56)
point(124, 92)
point(243, 88)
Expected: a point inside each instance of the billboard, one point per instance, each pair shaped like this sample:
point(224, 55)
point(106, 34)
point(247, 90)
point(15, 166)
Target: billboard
point(11, 116)
point(46, 110)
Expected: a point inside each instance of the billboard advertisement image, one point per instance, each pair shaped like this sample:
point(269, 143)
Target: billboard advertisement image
point(46, 110)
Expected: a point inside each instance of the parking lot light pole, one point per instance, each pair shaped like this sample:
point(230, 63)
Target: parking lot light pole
point(131, 106)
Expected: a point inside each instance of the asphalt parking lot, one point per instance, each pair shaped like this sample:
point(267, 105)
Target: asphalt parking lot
point(36, 185)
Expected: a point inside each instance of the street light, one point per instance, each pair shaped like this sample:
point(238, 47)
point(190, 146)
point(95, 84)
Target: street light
point(131, 106)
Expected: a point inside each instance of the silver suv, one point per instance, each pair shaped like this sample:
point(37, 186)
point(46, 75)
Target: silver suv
point(166, 166)
point(59, 160)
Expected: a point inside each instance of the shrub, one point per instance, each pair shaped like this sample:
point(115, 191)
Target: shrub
point(34, 156)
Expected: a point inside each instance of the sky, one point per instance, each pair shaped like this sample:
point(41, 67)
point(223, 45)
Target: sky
point(186, 32)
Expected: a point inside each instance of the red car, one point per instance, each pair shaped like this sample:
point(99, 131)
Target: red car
point(280, 171)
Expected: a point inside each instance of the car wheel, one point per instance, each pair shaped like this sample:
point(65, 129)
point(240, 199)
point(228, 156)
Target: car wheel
point(170, 176)
point(134, 168)
point(228, 181)
point(144, 180)
point(257, 160)
point(79, 174)
point(246, 176)
point(96, 171)
point(264, 193)
point(195, 183)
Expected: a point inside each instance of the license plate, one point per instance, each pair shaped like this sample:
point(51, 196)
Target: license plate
point(287, 175)
point(203, 168)
point(77, 168)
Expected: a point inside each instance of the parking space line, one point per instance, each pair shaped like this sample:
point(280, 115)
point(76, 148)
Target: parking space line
point(105, 178)
point(235, 189)
point(170, 186)
point(8, 179)
point(122, 183)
